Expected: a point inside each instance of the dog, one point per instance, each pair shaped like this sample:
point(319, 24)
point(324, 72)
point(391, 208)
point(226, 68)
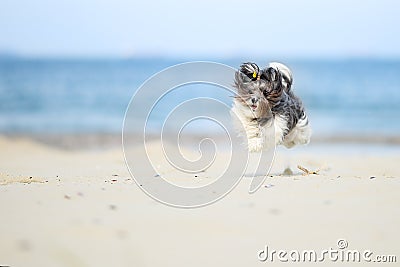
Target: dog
point(268, 111)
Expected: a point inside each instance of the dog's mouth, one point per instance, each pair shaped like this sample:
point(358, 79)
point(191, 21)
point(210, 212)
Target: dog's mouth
point(253, 107)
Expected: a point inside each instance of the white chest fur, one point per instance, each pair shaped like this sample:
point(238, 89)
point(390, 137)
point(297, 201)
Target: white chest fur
point(267, 136)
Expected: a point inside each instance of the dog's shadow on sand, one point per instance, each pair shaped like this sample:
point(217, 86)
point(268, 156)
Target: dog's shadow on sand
point(287, 172)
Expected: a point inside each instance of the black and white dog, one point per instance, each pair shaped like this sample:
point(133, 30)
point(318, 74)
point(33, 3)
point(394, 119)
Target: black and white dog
point(267, 108)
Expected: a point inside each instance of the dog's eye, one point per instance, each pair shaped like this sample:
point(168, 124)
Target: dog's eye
point(249, 91)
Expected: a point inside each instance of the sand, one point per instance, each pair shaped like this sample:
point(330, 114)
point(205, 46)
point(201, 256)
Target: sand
point(80, 207)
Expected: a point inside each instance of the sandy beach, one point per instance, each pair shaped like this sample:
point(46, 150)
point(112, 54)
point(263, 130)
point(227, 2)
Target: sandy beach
point(63, 206)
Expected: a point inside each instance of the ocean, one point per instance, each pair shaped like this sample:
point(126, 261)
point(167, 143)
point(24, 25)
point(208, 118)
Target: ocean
point(342, 97)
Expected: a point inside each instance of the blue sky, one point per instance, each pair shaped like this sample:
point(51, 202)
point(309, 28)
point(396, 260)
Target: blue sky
point(227, 28)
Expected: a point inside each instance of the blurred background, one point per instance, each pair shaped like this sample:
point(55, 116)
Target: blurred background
point(72, 66)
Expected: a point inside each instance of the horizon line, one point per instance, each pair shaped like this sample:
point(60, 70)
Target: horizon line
point(199, 57)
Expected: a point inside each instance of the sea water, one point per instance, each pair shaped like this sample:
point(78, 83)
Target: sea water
point(342, 97)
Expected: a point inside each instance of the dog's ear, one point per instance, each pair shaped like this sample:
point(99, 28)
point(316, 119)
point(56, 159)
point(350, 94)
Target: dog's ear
point(271, 74)
point(238, 80)
point(274, 76)
point(276, 92)
point(278, 78)
point(240, 85)
point(250, 70)
point(286, 73)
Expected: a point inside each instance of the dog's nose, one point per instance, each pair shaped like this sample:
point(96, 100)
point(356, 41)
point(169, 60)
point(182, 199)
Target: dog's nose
point(253, 100)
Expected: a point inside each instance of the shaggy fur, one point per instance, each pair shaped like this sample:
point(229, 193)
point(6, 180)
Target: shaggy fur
point(267, 108)
point(287, 78)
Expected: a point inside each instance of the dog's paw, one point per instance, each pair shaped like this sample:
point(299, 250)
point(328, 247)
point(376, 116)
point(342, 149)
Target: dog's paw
point(255, 144)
